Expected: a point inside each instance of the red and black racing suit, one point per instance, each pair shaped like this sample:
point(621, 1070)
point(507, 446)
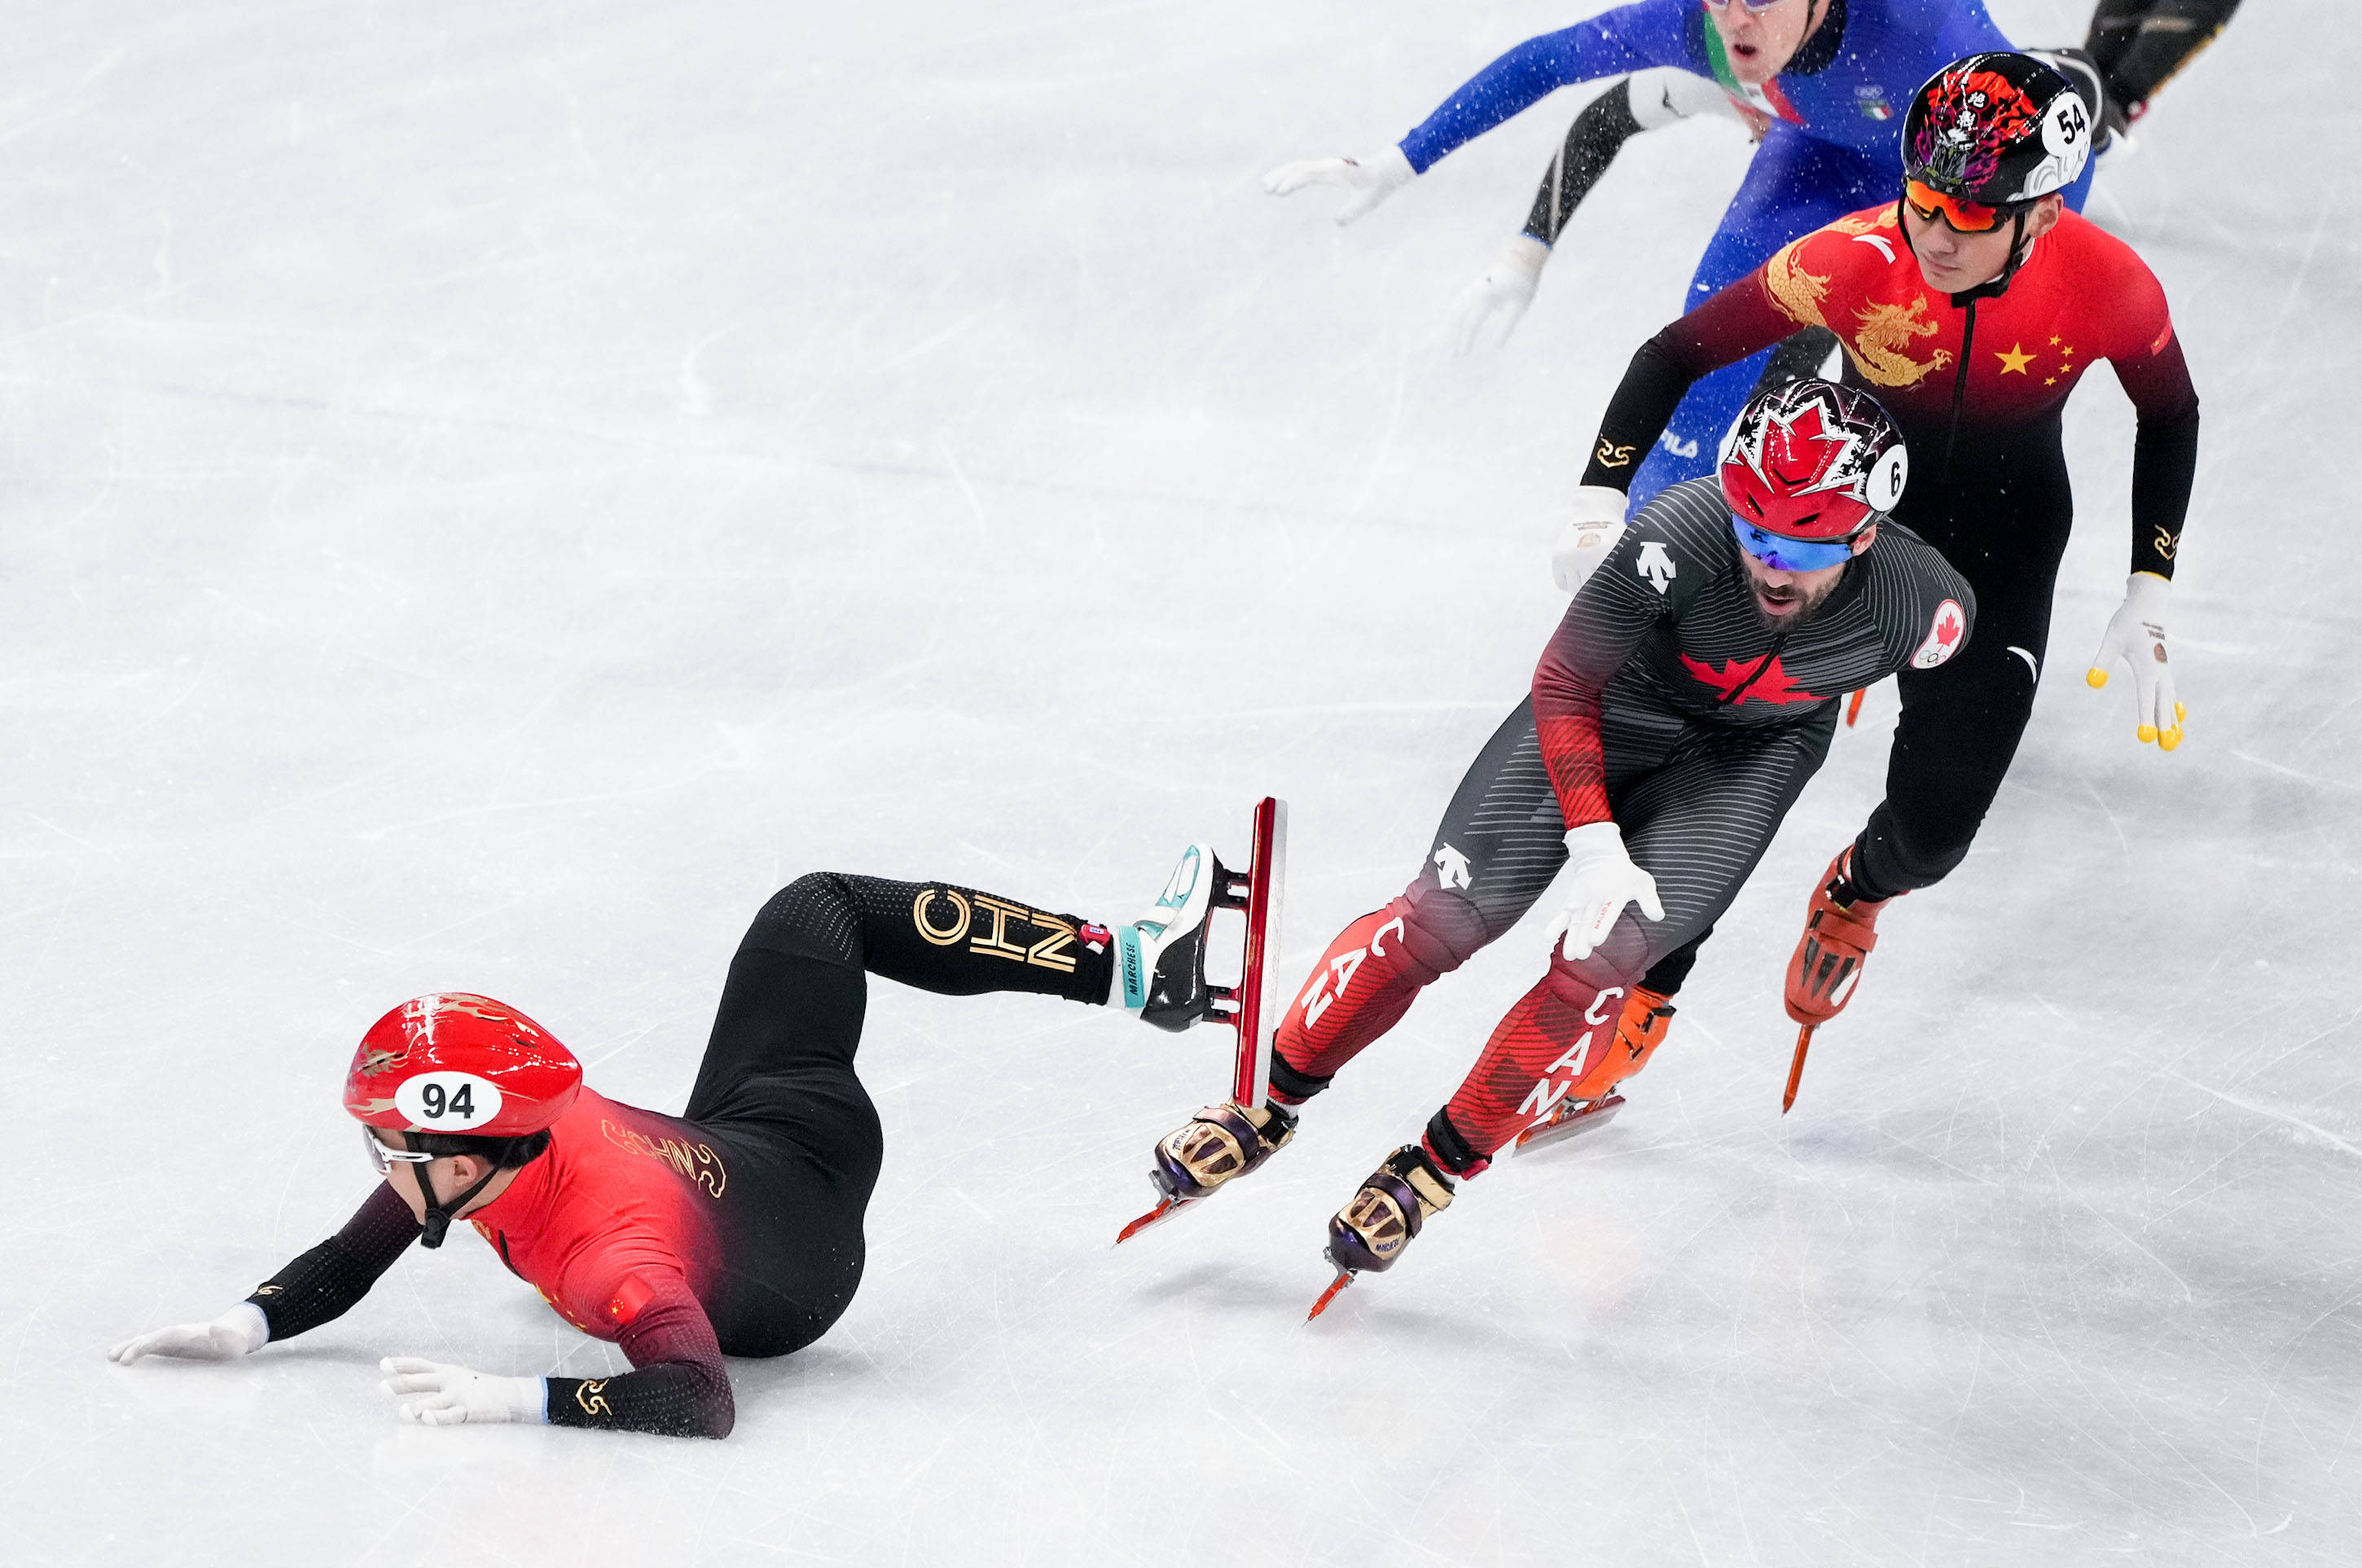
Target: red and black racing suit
point(1977, 385)
point(733, 1229)
point(1665, 702)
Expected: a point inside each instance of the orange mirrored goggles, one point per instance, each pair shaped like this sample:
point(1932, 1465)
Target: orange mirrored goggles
point(1968, 217)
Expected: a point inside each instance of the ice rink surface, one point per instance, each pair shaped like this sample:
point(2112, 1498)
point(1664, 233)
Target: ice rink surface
point(493, 491)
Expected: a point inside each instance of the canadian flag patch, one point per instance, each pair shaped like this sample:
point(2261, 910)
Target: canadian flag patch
point(1945, 636)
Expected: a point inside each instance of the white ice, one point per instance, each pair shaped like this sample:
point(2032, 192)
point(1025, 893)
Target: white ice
point(493, 491)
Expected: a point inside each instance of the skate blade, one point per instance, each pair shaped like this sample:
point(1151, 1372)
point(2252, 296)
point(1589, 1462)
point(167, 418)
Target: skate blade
point(1796, 1068)
point(1590, 1118)
point(1165, 1209)
point(1344, 1277)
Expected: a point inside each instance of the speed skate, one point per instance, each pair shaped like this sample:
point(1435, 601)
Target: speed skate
point(1230, 1139)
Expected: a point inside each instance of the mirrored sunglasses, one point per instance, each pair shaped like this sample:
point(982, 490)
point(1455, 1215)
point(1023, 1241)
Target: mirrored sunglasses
point(1967, 217)
point(1782, 553)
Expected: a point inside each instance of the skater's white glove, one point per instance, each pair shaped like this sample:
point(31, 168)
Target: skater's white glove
point(1605, 881)
point(239, 1331)
point(2136, 635)
point(1589, 534)
point(1489, 307)
point(434, 1394)
point(1366, 182)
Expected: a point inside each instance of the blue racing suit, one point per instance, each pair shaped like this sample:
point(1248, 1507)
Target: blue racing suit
point(1832, 128)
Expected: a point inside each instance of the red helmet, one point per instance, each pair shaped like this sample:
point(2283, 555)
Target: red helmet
point(1812, 459)
point(456, 1063)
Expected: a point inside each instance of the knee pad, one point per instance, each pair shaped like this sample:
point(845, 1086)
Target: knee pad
point(1618, 964)
point(1441, 928)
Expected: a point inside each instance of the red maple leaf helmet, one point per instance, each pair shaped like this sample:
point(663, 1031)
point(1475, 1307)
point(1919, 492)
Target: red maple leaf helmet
point(1813, 460)
point(458, 1062)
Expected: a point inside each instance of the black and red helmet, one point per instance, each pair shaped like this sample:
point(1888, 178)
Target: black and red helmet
point(1813, 460)
point(1997, 128)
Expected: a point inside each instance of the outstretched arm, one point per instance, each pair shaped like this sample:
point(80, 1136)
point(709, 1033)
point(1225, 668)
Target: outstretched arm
point(1648, 101)
point(1726, 328)
point(321, 1285)
point(324, 1283)
point(1614, 43)
point(1630, 38)
point(1490, 307)
point(677, 1387)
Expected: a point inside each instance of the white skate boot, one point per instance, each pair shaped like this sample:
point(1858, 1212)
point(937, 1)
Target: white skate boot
point(1160, 959)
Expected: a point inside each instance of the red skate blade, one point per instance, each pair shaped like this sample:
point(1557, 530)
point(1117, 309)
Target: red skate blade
point(1590, 1118)
point(1344, 1277)
point(1164, 1210)
point(1796, 1068)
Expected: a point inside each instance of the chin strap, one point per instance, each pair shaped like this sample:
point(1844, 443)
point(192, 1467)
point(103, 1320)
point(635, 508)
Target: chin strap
point(440, 1214)
point(1995, 287)
point(2000, 285)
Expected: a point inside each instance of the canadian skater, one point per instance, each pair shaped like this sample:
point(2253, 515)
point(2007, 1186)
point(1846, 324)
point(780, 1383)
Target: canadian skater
point(1974, 302)
point(733, 1229)
point(1690, 690)
point(1822, 84)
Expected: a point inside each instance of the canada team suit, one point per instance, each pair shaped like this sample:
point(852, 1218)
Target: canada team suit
point(1667, 702)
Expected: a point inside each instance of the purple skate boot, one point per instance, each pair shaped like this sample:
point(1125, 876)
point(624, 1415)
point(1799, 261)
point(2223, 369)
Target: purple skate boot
point(1219, 1144)
point(1370, 1232)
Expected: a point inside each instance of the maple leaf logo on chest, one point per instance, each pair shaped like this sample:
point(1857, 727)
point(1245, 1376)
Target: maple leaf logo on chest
point(1771, 686)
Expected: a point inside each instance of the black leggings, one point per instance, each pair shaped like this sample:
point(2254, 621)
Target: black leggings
point(2004, 529)
point(778, 1089)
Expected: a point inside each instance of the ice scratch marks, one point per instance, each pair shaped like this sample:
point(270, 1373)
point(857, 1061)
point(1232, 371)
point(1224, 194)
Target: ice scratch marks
point(959, 477)
point(1373, 465)
point(71, 838)
point(2292, 773)
point(929, 344)
point(372, 835)
point(2101, 800)
point(2289, 1118)
point(2168, 1269)
point(1952, 1435)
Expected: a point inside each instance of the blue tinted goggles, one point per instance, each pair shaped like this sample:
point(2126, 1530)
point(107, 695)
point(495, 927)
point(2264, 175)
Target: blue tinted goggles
point(1750, 4)
point(1782, 553)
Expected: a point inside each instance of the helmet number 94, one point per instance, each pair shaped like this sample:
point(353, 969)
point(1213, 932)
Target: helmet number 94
point(447, 1101)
